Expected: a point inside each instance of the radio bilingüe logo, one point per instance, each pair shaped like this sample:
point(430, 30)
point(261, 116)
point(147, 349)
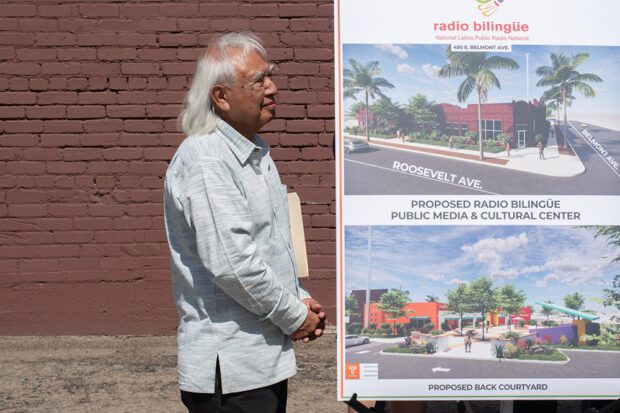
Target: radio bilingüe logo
point(488, 7)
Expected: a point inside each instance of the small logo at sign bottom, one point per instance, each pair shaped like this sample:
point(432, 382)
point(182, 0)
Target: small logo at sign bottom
point(362, 371)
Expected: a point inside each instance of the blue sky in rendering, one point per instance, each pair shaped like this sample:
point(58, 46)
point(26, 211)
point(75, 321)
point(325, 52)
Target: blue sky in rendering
point(547, 263)
point(413, 69)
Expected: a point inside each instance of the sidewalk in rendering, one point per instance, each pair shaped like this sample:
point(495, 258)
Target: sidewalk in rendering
point(555, 164)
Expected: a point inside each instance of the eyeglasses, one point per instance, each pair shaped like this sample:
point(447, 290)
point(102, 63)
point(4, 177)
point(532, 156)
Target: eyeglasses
point(259, 79)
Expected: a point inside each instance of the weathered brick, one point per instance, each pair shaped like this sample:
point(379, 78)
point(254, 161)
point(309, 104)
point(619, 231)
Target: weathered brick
point(181, 39)
point(194, 24)
point(269, 24)
point(219, 9)
point(178, 68)
point(81, 53)
point(41, 154)
point(103, 125)
point(125, 111)
point(163, 111)
point(85, 112)
point(116, 25)
point(38, 25)
point(99, 10)
point(314, 54)
point(67, 210)
point(157, 54)
point(26, 210)
point(136, 39)
point(60, 126)
point(162, 154)
point(142, 125)
point(18, 10)
point(12, 112)
point(136, 83)
point(178, 10)
point(65, 167)
point(97, 98)
point(19, 68)
point(55, 39)
point(55, 10)
point(23, 126)
point(297, 10)
point(138, 10)
point(116, 54)
point(139, 68)
point(36, 54)
point(14, 39)
point(98, 39)
point(18, 98)
point(230, 24)
point(114, 154)
point(50, 98)
point(81, 154)
point(20, 139)
point(7, 53)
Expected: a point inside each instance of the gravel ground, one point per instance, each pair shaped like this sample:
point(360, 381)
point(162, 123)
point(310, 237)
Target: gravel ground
point(138, 374)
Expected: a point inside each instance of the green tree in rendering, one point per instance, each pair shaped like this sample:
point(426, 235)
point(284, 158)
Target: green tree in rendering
point(563, 78)
point(393, 302)
point(511, 300)
point(355, 108)
point(478, 71)
point(432, 298)
point(350, 305)
point(555, 103)
point(385, 111)
point(483, 297)
point(363, 78)
point(459, 302)
point(611, 296)
point(548, 312)
point(574, 301)
point(422, 110)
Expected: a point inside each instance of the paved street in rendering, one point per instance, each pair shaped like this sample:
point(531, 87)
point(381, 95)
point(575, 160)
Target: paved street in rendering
point(590, 172)
point(582, 364)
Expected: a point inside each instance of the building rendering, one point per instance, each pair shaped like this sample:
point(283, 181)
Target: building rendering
point(521, 120)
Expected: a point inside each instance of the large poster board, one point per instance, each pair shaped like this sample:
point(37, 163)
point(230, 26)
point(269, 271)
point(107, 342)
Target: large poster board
point(478, 180)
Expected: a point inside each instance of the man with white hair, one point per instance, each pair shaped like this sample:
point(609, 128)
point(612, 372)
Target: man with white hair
point(234, 275)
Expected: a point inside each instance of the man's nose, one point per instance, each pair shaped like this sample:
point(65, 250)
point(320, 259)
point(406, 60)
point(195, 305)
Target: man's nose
point(270, 87)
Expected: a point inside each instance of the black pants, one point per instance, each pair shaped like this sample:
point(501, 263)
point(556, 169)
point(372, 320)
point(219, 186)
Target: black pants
point(270, 399)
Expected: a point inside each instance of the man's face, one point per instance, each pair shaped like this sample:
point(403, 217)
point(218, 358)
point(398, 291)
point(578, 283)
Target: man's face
point(250, 101)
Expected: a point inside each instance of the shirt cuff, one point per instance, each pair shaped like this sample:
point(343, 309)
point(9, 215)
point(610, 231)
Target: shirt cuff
point(289, 313)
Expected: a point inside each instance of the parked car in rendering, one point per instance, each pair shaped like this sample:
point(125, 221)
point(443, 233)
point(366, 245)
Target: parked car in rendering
point(350, 341)
point(355, 145)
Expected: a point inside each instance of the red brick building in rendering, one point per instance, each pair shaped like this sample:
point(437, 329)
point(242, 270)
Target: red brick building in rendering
point(417, 314)
point(521, 120)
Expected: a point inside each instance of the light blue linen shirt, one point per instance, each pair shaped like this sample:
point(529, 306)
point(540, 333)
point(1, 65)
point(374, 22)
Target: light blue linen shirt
point(233, 269)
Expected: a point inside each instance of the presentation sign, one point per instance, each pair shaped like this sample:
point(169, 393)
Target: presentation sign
point(478, 190)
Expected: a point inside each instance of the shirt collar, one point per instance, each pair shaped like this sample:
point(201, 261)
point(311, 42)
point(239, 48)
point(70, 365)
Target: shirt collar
point(242, 147)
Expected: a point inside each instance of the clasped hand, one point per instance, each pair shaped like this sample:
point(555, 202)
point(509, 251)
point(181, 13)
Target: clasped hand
point(314, 324)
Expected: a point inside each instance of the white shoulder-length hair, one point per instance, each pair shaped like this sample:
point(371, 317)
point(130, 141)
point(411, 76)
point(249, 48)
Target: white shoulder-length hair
point(215, 66)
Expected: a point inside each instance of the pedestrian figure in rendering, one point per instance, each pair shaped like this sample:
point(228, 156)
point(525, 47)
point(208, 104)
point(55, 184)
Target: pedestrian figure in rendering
point(508, 148)
point(468, 342)
point(234, 277)
point(541, 150)
point(451, 142)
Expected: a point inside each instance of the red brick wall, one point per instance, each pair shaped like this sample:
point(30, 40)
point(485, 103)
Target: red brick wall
point(89, 96)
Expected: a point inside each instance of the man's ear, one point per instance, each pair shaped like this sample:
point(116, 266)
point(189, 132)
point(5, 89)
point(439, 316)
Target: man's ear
point(220, 98)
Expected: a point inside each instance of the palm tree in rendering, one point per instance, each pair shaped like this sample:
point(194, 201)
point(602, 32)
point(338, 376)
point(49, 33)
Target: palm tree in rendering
point(478, 71)
point(564, 79)
point(363, 78)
